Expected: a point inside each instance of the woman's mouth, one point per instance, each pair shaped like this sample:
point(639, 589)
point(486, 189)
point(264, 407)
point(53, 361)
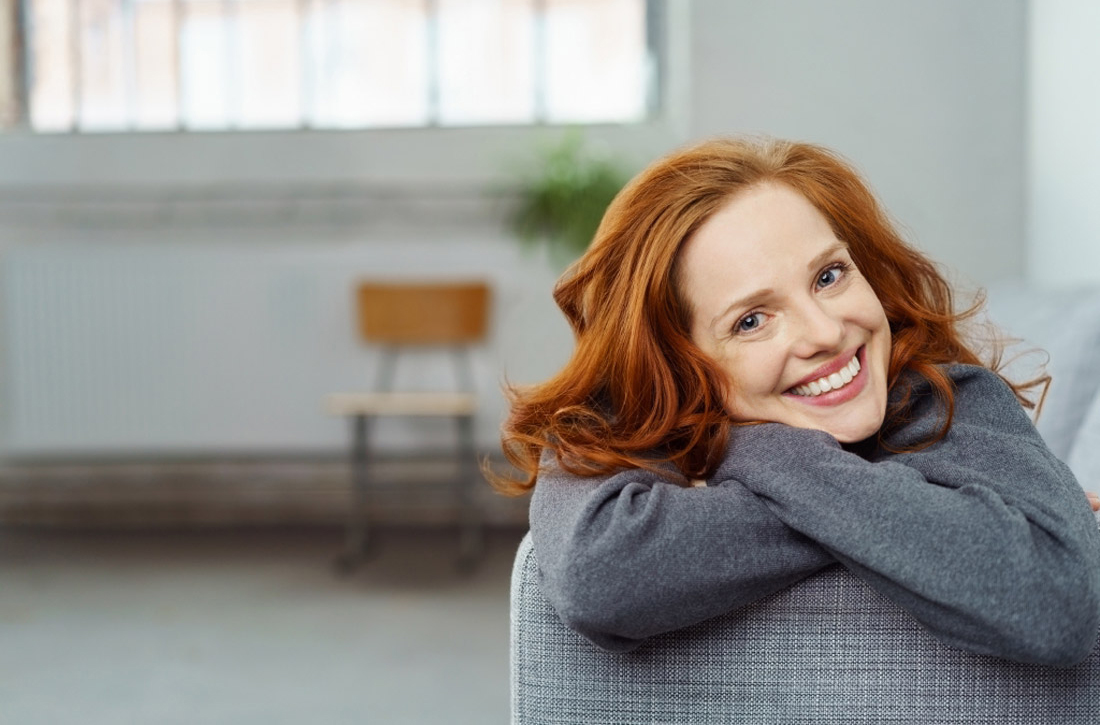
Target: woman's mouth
point(835, 381)
point(839, 386)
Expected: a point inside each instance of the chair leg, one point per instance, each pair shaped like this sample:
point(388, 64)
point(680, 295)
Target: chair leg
point(357, 534)
point(471, 534)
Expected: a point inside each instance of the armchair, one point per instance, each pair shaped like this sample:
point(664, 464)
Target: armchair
point(830, 649)
point(827, 650)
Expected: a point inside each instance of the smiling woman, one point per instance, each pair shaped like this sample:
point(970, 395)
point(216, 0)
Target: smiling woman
point(805, 341)
point(747, 318)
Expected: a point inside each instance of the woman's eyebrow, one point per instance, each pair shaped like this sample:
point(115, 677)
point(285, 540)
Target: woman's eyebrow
point(831, 251)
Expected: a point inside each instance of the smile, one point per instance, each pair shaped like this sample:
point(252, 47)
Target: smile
point(834, 381)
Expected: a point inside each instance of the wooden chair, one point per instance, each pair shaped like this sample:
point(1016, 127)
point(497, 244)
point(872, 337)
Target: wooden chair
point(400, 317)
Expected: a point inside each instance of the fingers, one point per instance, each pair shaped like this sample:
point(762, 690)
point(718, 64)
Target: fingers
point(1094, 500)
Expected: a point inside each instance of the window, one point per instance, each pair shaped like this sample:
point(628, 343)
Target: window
point(133, 65)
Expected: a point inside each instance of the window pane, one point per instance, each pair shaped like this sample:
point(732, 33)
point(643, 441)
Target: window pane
point(596, 60)
point(268, 47)
point(51, 65)
point(486, 61)
point(225, 64)
point(205, 68)
point(155, 78)
point(368, 63)
point(103, 102)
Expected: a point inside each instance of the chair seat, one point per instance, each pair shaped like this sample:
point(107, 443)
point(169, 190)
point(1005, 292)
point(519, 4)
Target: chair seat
point(428, 404)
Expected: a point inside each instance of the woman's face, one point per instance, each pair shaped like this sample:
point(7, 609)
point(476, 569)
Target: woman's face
point(777, 302)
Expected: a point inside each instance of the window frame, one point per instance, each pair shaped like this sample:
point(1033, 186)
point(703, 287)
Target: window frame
point(656, 31)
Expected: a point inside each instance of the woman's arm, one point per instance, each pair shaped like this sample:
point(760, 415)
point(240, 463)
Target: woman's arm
point(628, 556)
point(984, 537)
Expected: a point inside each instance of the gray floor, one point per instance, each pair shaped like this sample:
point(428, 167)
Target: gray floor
point(249, 627)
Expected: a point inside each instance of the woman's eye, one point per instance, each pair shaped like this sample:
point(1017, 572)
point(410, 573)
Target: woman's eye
point(748, 323)
point(830, 276)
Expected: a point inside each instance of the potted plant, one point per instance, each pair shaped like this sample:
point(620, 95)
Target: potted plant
point(562, 202)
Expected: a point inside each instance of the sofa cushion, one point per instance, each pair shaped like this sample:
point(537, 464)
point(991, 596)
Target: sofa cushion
point(1084, 456)
point(1065, 324)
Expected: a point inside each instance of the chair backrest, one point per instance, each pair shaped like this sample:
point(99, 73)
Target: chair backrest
point(827, 650)
point(423, 313)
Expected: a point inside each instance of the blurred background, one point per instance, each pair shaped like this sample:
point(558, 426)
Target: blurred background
point(190, 191)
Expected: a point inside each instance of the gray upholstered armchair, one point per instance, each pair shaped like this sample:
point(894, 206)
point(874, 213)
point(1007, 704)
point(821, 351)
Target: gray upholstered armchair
point(831, 650)
point(827, 650)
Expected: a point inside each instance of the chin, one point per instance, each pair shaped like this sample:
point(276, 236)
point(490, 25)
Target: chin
point(852, 431)
point(848, 436)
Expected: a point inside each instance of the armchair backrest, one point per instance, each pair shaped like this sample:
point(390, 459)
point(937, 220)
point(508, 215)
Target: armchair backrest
point(827, 650)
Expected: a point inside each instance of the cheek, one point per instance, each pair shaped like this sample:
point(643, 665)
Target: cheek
point(882, 325)
point(887, 341)
point(879, 325)
point(870, 313)
point(752, 374)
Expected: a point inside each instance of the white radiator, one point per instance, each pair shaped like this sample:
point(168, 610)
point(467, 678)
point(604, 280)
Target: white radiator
point(214, 348)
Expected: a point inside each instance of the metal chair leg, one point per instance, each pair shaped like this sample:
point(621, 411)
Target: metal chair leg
point(357, 535)
point(471, 534)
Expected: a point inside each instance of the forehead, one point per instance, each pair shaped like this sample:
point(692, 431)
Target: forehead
point(759, 234)
point(762, 241)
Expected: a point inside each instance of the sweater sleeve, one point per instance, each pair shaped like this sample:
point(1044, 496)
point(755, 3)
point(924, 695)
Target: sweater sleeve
point(984, 537)
point(632, 555)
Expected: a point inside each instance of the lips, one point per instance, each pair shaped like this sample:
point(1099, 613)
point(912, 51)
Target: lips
point(836, 396)
point(835, 366)
point(833, 381)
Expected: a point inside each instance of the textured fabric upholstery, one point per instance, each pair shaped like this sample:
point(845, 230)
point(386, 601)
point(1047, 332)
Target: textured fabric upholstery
point(828, 650)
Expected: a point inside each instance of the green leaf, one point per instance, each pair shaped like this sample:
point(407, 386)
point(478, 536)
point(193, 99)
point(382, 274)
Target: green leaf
point(563, 200)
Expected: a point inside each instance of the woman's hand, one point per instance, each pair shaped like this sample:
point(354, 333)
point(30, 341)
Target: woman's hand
point(1094, 500)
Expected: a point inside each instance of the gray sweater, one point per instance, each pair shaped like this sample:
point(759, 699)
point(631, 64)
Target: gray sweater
point(984, 537)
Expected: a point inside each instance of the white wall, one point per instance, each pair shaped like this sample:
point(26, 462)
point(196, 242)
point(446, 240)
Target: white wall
point(429, 195)
point(927, 98)
point(1064, 143)
point(128, 349)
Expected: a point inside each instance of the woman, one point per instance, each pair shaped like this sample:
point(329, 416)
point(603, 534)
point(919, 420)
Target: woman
point(768, 381)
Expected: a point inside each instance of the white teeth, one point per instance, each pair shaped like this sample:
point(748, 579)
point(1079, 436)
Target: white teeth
point(831, 382)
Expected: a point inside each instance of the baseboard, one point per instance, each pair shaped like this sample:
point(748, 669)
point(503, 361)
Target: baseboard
point(236, 492)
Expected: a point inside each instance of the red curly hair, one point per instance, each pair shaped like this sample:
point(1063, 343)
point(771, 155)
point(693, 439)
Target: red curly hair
point(637, 391)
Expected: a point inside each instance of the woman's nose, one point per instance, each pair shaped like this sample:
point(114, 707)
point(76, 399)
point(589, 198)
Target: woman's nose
point(817, 329)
